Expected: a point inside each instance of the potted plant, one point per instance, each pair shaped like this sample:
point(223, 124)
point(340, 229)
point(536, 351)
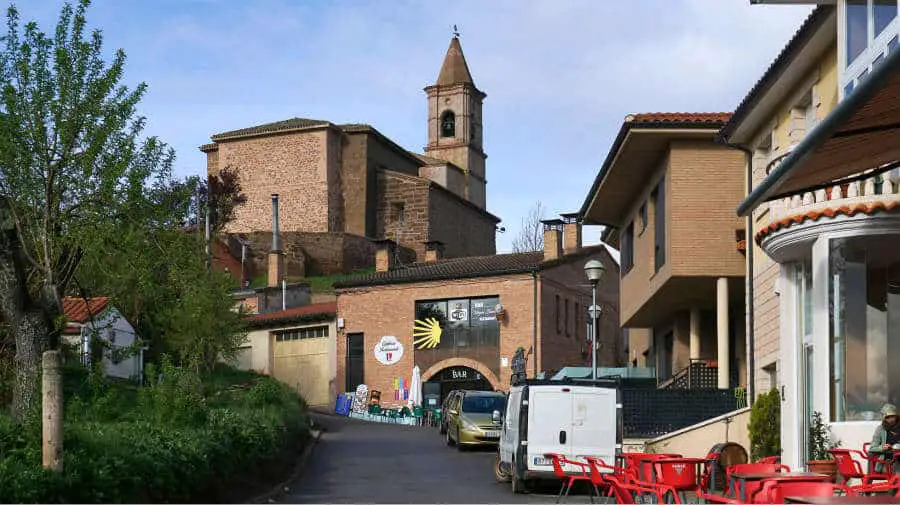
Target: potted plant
point(765, 426)
point(819, 443)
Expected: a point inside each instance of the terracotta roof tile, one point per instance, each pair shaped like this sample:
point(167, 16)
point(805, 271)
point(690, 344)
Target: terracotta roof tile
point(679, 117)
point(79, 311)
point(295, 312)
point(294, 123)
point(846, 210)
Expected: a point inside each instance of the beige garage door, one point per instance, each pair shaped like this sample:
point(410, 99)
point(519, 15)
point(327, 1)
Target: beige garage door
point(301, 361)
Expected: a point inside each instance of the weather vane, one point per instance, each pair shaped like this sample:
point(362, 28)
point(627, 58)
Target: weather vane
point(455, 31)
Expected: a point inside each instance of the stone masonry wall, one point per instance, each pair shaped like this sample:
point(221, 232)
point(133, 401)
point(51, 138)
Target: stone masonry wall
point(412, 193)
point(294, 165)
point(464, 229)
point(311, 254)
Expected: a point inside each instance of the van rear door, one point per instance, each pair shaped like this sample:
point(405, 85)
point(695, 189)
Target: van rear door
point(594, 423)
point(549, 425)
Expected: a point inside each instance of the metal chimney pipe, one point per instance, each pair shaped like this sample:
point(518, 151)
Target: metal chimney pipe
point(276, 239)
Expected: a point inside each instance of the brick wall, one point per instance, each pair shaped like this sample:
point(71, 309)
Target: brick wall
point(300, 167)
point(390, 310)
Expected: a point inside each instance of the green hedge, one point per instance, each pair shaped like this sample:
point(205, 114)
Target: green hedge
point(182, 440)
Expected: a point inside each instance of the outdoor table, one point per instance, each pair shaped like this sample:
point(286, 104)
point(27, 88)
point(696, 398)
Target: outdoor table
point(742, 478)
point(827, 500)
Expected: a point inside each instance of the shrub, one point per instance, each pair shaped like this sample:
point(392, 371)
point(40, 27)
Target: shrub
point(126, 446)
point(765, 426)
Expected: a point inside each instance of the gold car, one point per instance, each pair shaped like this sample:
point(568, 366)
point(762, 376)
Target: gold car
point(474, 418)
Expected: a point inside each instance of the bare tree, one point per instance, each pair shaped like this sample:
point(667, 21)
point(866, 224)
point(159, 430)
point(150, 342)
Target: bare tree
point(531, 234)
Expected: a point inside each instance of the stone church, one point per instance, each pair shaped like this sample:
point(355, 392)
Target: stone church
point(343, 187)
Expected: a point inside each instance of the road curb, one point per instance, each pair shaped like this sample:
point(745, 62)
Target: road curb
point(282, 486)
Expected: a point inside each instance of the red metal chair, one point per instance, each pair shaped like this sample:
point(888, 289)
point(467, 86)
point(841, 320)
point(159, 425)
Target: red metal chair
point(874, 458)
point(569, 479)
point(891, 486)
point(634, 491)
point(772, 460)
point(714, 498)
point(774, 490)
point(849, 468)
point(682, 476)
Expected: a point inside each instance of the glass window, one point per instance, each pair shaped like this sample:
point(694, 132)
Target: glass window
point(857, 29)
point(483, 404)
point(659, 224)
point(864, 296)
point(884, 11)
point(627, 254)
point(848, 89)
point(892, 44)
point(464, 323)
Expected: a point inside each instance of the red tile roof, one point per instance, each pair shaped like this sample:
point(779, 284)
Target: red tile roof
point(681, 117)
point(846, 210)
point(78, 311)
point(305, 310)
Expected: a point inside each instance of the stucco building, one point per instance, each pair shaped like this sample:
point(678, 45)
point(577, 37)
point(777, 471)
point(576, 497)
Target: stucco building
point(341, 184)
point(819, 130)
point(461, 320)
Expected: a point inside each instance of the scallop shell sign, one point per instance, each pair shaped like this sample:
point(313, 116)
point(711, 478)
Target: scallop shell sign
point(388, 350)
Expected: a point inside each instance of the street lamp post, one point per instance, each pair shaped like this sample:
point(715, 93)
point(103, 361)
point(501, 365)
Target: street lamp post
point(594, 271)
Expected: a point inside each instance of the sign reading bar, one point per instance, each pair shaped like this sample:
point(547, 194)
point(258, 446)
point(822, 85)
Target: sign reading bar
point(460, 373)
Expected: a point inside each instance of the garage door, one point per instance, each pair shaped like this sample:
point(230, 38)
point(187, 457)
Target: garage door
point(301, 361)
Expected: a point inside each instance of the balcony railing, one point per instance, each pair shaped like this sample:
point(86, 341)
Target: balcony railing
point(884, 187)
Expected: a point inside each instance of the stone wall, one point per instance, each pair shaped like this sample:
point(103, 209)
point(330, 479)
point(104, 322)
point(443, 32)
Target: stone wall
point(311, 254)
point(412, 193)
point(464, 229)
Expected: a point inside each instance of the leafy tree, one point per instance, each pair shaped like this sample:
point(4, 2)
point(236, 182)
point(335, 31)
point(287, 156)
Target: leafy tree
point(72, 167)
point(531, 235)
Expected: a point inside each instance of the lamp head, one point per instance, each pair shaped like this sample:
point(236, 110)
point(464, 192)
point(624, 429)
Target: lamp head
point(594, 271)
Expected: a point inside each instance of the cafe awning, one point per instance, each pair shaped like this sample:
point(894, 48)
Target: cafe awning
point(861, 134)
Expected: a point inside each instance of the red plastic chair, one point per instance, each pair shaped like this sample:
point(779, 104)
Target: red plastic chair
point(714, 498)
point(772, 460)
point(643, 465)
point(568, 479)
point(774, 490)
point(750, 487)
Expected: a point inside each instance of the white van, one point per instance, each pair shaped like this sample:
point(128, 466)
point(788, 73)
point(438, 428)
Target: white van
point(572, 417)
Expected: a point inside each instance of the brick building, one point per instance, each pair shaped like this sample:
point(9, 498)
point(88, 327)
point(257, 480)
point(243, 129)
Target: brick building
point(486, 308)
point(340, 184)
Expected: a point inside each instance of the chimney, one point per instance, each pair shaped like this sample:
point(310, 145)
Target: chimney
point(571, 232)
point(385, 254)
point(552, 239)
point(276, 259)
point(434, 251)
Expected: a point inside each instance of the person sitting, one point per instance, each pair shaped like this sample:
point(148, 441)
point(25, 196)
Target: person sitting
point(886, 435)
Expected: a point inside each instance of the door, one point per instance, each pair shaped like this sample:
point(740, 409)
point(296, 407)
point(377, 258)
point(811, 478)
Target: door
point(356, 352)
point(549, 425)
point(509, 436)
point(300, 359)
point(594, 423)
point(803, 283)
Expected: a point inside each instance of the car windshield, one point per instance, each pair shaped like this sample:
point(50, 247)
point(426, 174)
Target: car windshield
point(483, 404)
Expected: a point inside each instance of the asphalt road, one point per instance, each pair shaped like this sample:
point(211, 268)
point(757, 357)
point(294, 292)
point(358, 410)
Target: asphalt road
point(363, 462)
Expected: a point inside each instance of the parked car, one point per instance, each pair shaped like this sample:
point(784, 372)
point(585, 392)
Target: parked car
point(447, 401)
point(572, 417)
point(474, 418)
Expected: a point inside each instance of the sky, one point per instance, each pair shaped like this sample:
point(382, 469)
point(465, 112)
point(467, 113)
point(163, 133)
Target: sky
point(560, 75)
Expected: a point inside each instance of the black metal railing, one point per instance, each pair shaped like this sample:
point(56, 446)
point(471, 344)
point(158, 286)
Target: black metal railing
point(699, 374)
point(650, 413)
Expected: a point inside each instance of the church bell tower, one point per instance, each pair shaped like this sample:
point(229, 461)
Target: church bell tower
point(454, 122)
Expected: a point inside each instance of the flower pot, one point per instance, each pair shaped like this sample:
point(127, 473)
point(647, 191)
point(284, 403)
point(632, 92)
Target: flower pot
point(826, 466)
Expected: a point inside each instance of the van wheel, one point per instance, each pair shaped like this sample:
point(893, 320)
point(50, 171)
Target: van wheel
point(500, 472)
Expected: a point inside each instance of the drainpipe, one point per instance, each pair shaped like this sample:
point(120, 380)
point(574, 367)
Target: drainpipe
point(534, 324)
point(751, 355)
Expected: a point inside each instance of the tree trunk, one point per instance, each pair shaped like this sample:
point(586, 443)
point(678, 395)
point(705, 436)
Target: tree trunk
point(31, 342)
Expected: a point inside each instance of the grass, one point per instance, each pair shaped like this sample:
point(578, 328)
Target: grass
point(317, 284)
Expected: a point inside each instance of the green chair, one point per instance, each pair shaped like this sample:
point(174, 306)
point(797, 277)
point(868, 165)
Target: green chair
point(404, 412)
point(418, 413)
point(437, 417)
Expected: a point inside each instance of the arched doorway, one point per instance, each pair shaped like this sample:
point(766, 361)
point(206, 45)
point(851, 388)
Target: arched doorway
point(453, 377)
